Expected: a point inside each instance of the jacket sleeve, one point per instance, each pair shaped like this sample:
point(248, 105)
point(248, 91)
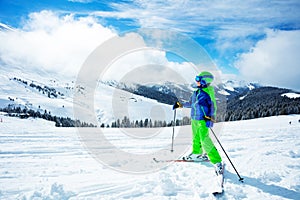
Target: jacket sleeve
point(187, 104)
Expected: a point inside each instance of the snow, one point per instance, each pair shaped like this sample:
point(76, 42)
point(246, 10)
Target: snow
point(115, 104)
point(41, 161)
point(109, 102)
point(224, 92)
point(250, 86)
point(234, 83)
point(291, 95)
point(24, 95)
point(228, 87)
point(243, 97)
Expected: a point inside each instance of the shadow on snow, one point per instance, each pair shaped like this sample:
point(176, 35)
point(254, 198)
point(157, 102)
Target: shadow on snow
point(271, 189)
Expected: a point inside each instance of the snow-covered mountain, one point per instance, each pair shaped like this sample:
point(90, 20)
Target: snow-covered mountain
point(236, 100)
point(35, 91)
point(45, 92)
point(233, 88)
point(169, 92)
point(50, 93)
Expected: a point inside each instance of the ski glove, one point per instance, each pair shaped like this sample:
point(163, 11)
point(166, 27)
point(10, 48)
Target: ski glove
point(209, 124)
point(177, 105)
point(209, 121)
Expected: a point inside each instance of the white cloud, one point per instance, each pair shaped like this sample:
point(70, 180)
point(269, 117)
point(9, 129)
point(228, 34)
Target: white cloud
point(274, 60)
point(61, 43)
point(228, 26)
point(232, 18)
point(52, 42)
point(149, 65)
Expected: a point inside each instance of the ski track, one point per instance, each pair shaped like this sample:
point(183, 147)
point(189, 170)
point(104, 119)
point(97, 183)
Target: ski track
point(40, 161)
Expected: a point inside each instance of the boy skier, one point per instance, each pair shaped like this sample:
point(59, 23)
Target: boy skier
point(203, 111)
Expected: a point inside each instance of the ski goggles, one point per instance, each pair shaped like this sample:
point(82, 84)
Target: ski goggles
point(199, 78)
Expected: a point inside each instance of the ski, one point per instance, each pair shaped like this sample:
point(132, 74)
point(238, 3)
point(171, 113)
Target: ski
point(178, 160)
point(219, 190)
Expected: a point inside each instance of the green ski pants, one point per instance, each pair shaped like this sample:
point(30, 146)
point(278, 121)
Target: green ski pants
point(202, 141)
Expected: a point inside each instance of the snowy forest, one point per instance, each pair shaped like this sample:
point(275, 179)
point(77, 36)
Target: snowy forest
point(13, 111)
point(147, 123)
point(261, 102)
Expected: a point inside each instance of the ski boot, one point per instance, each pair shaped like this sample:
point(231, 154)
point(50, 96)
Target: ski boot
point(196, 157)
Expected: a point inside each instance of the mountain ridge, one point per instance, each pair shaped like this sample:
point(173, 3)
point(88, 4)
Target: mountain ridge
point(237, 100)
point(244, 101)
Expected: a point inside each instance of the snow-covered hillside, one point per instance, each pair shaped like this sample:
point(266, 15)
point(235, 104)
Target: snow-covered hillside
point(47, 92)
point(40, 161)
point(112, 104)
point(17, 90)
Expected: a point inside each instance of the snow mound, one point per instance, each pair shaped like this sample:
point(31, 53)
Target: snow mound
point(56, 192)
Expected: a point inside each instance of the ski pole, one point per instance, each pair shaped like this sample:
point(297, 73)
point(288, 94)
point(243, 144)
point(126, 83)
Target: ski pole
point(173, 131)
point(240, 178)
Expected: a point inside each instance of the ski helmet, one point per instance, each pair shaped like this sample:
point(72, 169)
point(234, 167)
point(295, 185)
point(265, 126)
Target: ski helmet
point(205, 78)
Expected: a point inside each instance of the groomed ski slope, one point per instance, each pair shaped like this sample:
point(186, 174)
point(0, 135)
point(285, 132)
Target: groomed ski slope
point(40, 161)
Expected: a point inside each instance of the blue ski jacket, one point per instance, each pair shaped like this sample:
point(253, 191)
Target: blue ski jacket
point(201, 105)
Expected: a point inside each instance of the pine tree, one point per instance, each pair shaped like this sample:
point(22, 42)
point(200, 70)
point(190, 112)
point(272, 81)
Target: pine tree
point(141, 124)
point(146, 122)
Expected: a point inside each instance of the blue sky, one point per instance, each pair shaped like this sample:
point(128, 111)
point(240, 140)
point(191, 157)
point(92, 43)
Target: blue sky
point(251, 39)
